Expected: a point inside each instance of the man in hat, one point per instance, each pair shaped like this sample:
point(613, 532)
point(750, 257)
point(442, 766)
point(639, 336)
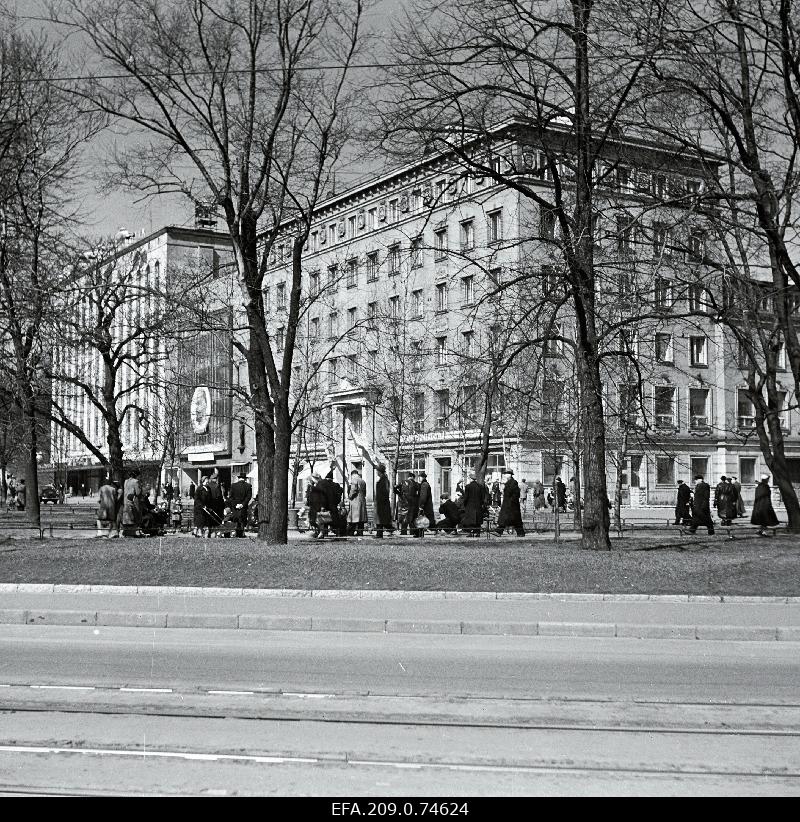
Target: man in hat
point(239, 501)
point(357, 515)
point(383, 505)
point(473, 506)
point(510, 514)
point(425, 503)
point(701, 508)
point(408, 491)
point(683, 510)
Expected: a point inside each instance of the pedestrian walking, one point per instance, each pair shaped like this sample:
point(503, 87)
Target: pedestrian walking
point(383, 505)
point(683, 507)
point(107, 500)
point(200, 513)
point(763, 513)
point(510, 515)
point(408, 506)
point(561, 495)
point(131, 512)
point(357, 515)
point(739, 499)
point(239, 501)
point(523, 495)
point(539, 501)
point(425, 506)
point(473, 506)
point(701, 506)
point(725, 501)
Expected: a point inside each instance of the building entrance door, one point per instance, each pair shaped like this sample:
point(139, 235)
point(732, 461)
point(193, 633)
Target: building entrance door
point(442, 479)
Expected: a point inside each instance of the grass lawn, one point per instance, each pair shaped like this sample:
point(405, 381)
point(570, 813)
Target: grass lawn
point(668, 564)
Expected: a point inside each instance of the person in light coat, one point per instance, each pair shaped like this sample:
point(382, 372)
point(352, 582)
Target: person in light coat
point(357, 515)
point(131, 512)
point(107, 498)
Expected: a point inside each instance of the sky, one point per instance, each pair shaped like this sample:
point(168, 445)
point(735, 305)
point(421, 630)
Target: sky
point(105, 212)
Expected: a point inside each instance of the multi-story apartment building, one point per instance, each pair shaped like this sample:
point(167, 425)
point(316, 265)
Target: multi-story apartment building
point(154, 384)
point(421, 283)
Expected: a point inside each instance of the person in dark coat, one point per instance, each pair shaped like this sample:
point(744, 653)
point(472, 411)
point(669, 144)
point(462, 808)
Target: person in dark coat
point(725, 501)
point(683, 507)
point(451, 515)
point(216, 500)
point(739, 499)
point(561, 495)
point(239, 500)
point(315, 502)
point(473, 506)
point(701, 506)
point(510, 515)
point(192, 490)
point(332, 492)
point(408, 508)
point(425, 507)
point(383, 505)
point(763, 513)
point(200, 515)
point(22, 495)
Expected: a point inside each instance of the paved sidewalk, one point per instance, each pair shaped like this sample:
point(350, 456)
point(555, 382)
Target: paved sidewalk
point(430, 612)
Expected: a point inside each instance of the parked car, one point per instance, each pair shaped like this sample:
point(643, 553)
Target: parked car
point(49, 495)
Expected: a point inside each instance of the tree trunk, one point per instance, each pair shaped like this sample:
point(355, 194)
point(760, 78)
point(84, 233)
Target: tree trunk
point(577, 514)
point(32, 508)
point(279, 515)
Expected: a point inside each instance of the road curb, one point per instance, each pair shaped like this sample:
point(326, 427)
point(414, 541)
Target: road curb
point(197, 591)
point(267, 622)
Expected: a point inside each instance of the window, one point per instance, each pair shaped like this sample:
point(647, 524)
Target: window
point(625, 235)
point(394, 258)
point(662, 241)
point(441, 297)
point(441, 188)
point(783, 413)
point(554, 346)
point(697, 244)
point(280, 337)
point(417, 303)
point(780, 357)
point(665, 471)
point(550, 280)
point(419, 412)
point(495, 226)
point(630, 404)
point(351, 226)
point(372, 219)
point(745, 413)
point(699, 465)
point(629, 341)
point(352, 367)
point(663, 293)
point(372, 310)
point(659, 185)
point(697, 297)
point(698, 408)
point(664, 351)
point(372, 361)
point(693, 187)
point(267, 301)
point(394, 210)
point(333, 277)
point(394, 307)
point(747, 470)
point(632, 471)
point(468, 404)
point(313, 280)
point(664, 406)
point(468, 343)
point(553, 403)
point(441, 350)
point(440, 244)
point(467, 235)
point(352, 273)
point(333, 324)
point(352, 317)
point(467, 290)
point(547, 224)
point(333, 371)
point(332, 233)
point(698, 351)
point(443, 408)
point(742, 356)
point(314, 328)
point(416, 252)
point(623, 179)
point(372, 266)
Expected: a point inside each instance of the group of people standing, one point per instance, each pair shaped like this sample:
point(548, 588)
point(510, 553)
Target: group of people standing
point(328, 514)
point(16, 494)
point(214, 508)
point(127, 510)
point(693, 506)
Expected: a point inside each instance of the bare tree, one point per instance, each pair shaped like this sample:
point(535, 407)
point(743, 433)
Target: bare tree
point(229, 106)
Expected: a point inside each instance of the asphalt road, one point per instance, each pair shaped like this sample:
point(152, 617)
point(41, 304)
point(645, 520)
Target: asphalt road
point(293, 713)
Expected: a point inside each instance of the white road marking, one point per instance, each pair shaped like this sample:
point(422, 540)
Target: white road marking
point(308, 696)
point(196, 757)
point(63, 687)
point(147, 690)
point(233, 693)
point(401, 666)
